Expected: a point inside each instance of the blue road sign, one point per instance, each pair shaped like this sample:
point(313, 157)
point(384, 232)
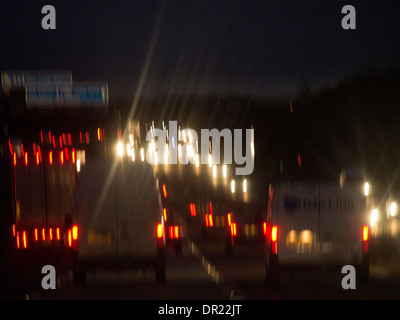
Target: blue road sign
point(76, 96)
point(19, 79)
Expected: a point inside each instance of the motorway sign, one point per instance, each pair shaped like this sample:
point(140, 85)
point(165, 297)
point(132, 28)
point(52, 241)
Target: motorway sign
point(19, 79)
point(76, 96)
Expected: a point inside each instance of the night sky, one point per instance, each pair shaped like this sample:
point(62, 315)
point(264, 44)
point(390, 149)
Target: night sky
point(261, 48)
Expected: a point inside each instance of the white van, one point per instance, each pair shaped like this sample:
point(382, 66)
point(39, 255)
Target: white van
point(316, 223)
point(119, 215)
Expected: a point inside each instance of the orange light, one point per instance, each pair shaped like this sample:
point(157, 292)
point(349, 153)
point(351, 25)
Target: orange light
point(365, 233)
point(207, 222)
point(18, 239)
point(58, 233)
point(37, 158)
point(165, 214)
point(164, 190)
point(176, 232)
point(36, 234)
point(229, 219)
point(171, 232)
point(26, 158)
point(274, 234)
point(15, 159)
point(159, 230)
point(69, 238)
point(51, 157)
point(13, 230)
point(24, 240)
point(43, 234)
point(75, 232)
point(51, 233)
point(62, 156)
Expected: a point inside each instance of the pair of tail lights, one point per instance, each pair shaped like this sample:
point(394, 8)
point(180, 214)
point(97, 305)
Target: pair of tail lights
point(173, 231)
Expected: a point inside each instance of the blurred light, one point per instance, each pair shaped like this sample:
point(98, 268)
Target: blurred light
point(305, 237)
point(164, 190)
point(75, 232)
point(73, 156)
point(165, 214)
point(233, 186)
point(374, 217)
point(245, 185)
point(36, 234)
point(233, 229)
point(274, 233)
point(229, 216)
point(142, 154)
point(131, 139)
point(265, 228)
point(120, 149)
point(43, 234)
point(393, 209)
point(51, 233)
point(15, 159)
point(51, 157)
point(224, 170)
point(176, 232)
point(133, 154)
point(365, 233)
point(128, 149)
point(192, 209)
point(78, 165)
point(159, 231)
point(209, 160)
point(13, 229)
point(197, 160)
point(58, 233)
point(24, 241)
point(69, 238)
point(214, 171)
point(26, 158)
point(366, 188)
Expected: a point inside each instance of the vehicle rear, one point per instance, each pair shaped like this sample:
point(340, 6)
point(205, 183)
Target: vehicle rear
point(120, 218)
point(319, 224)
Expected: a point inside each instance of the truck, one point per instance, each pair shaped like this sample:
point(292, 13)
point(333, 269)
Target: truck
point(314, 223)
point(74, 197)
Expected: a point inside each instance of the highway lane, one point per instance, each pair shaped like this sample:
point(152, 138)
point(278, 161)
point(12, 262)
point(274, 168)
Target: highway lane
point(244, 274)
point(186, 280)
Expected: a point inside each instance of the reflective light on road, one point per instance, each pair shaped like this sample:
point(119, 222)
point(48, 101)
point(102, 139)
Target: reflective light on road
point(214, 169)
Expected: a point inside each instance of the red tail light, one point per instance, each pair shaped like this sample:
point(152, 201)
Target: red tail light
point(69, 238)
point(24, 240)
point(233, 229)
point(164, 190)
point(229, 216)
point(176, 232)
point(51, 157)
point(192, 209)
point(75, 232)
point(26, 158)
point(58, 233)
point(73, 155)
point(265, 228)
point(43, 234)
point(51, 233)
point(18, 239)
point(274, 239)
point(365, 236)
point(160, 231)
point(36, 234)
point(165, 214)
point(13, 230)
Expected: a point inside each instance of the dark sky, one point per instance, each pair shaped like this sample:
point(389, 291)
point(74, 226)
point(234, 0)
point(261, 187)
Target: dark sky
point(200, 46)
